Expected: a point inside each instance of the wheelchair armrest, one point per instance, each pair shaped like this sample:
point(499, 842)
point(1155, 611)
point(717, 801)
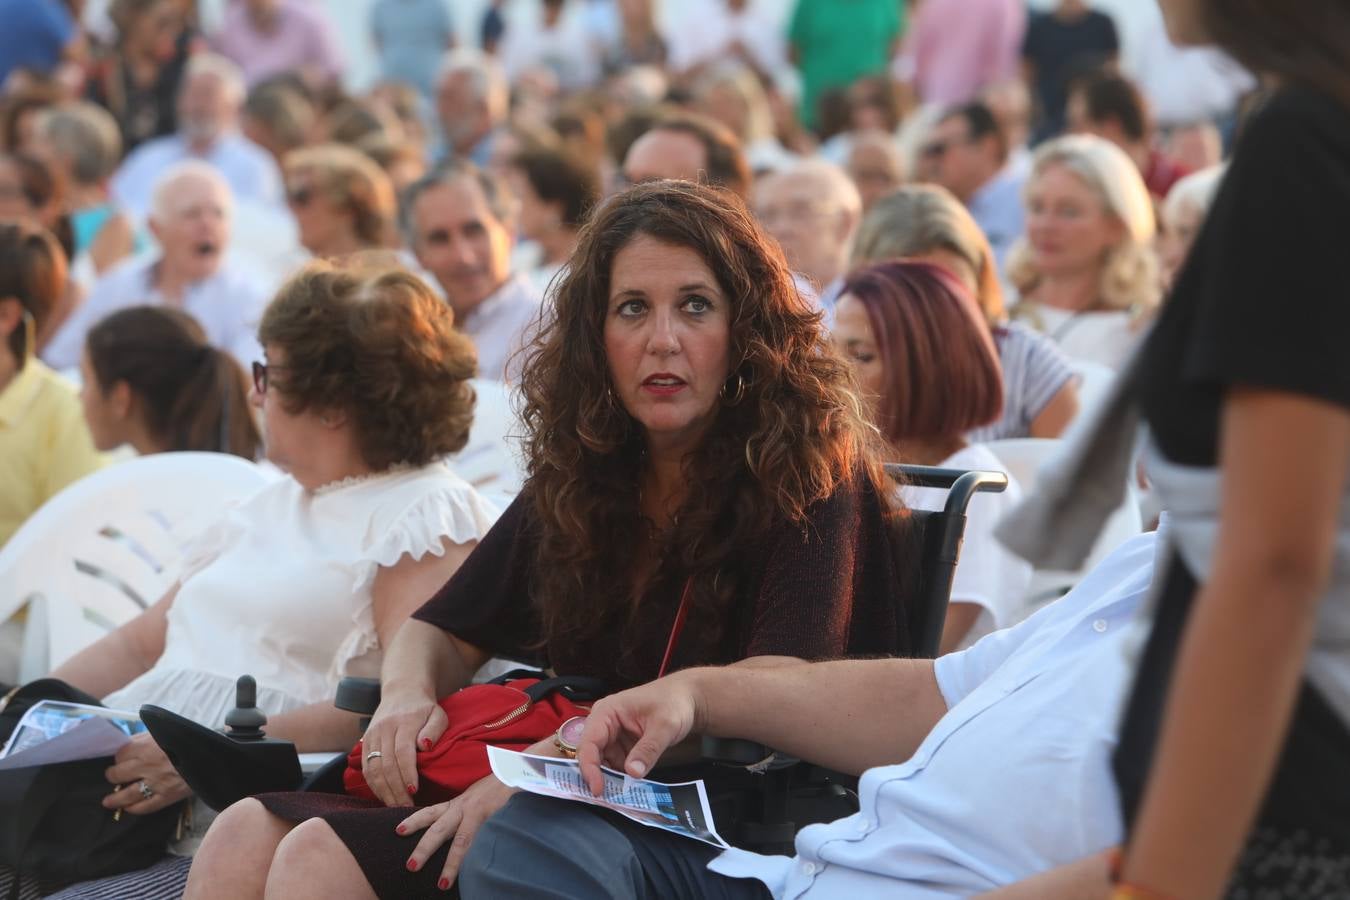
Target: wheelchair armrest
point(358, 695)
point(745, 754)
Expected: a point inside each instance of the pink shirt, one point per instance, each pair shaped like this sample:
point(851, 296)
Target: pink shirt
point(956, 48)
point(302, 39)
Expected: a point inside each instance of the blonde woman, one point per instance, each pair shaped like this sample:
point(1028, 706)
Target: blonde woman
point(342, 201)
point(1086, 271)
point(926, 222)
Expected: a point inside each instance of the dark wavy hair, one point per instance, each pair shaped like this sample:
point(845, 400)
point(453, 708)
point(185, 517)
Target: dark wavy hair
point(792, 433)
point(32, 271)
point(194, 396)
point(380, 345)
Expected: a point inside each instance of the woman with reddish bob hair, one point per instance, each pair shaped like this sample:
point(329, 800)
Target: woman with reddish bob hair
point(928, 368)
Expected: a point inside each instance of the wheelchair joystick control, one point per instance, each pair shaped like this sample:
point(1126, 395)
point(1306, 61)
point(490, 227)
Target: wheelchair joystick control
point(245, 722)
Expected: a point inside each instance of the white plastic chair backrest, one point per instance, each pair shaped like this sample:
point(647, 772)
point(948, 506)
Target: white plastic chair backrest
point(1094, 383)
point(108, 546)
point(1024, 459)
point(493, 460)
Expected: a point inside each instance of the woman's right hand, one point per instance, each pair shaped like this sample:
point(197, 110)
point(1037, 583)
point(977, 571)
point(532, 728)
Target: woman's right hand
point(630, 730)
point(403, 724)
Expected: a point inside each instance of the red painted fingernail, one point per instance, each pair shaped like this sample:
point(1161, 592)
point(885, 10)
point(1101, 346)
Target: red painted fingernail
point(426, 743)
point(412, 865)
point(443, 884)
point(412, 789)
point(399, 830)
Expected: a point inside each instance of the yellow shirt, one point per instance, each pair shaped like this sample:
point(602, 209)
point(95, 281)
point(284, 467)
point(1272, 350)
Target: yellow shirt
point(44, 443)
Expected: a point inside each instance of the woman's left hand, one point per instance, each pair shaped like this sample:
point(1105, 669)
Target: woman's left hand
point(460, 819)
point(145, 780)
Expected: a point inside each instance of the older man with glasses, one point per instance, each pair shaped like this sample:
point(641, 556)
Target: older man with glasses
point(813, 209)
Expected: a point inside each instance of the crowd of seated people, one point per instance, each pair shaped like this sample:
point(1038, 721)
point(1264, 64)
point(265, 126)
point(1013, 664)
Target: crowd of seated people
point(722, 261)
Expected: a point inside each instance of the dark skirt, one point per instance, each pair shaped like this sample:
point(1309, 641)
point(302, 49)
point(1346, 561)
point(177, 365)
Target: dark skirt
point(367, 828)
point(1300, 845)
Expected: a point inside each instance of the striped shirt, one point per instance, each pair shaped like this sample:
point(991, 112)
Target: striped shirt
point(1034, 371)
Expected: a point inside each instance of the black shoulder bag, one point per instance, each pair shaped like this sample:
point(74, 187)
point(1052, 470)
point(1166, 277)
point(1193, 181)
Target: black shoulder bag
point(51, 822)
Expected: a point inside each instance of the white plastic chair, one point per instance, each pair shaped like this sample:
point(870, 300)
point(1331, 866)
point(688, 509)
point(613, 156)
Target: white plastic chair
point(1024, 458)
point(493, 461)
point(108, 546)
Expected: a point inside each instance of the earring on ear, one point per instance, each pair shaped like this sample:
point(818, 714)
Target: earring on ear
point(733, 398)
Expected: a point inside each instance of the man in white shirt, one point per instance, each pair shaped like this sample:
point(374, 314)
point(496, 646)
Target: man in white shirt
point(554, 36)
point(208, 129)
point(1006, 776)
point(190, 219)
point(813, 209)
point(459, 220)
point(967, 153)
point(752, 32)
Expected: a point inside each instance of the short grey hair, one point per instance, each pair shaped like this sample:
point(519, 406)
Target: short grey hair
point(230, 75)
point(839, 189)
point(168, 183)
point(1197, 190)
point(501, 202)
point(86, 136)
point(486, 75)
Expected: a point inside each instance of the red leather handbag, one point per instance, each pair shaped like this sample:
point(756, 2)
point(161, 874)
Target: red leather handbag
point(510, 712)
point(514, 715)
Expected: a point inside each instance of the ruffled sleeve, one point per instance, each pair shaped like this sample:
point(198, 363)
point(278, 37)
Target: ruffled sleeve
point(442, 509)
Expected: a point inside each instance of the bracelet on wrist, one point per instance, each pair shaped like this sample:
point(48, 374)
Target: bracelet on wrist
point(1124, 890)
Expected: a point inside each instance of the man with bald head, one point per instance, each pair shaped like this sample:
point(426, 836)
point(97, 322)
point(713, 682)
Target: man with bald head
point(687, 147)
point(813, 209)
point(209, 102)
point(190, 220)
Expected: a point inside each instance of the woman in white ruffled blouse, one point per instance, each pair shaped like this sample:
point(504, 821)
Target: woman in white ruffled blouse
point(365, 388)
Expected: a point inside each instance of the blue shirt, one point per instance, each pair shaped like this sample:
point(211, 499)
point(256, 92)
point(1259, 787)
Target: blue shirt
point(227, 304)
point(412, 37)
point(997, 208)
point(250, 171)
point(35, 34)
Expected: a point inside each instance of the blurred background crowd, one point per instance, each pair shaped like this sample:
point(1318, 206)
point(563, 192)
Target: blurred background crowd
point(1057, 156)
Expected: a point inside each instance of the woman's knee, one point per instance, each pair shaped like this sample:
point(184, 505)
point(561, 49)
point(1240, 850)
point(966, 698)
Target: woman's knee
point(312, 861)
point(237, 852)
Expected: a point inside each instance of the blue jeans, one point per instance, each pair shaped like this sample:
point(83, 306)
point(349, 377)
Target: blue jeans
point(537, 847)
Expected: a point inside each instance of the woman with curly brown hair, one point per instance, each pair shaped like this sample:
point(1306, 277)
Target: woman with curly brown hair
point(365, 389)
point(696, 451)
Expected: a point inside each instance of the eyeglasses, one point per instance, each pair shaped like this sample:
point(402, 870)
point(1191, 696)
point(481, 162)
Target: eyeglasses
point(938, 149)
point(793, 213)
point(260, 371)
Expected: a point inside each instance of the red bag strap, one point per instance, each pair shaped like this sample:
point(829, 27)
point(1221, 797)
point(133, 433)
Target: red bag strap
point(680, 615)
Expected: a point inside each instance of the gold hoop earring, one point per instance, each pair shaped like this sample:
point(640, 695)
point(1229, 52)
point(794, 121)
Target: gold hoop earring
point(734, 397)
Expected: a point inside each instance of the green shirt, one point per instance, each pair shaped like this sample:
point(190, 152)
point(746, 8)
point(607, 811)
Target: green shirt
point(839, 41)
